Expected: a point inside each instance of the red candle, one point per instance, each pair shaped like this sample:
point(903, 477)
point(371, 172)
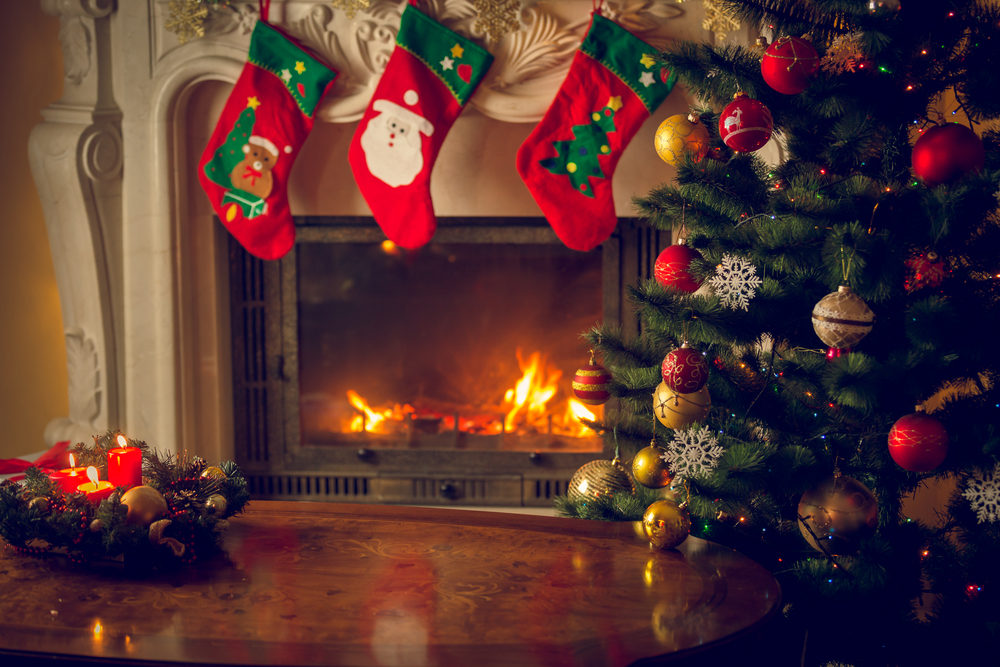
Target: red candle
point(70, 478)
point(125, 464)
point(96, 490)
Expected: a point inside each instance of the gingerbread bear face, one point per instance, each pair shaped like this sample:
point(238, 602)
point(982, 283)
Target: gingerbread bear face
point(253, 174)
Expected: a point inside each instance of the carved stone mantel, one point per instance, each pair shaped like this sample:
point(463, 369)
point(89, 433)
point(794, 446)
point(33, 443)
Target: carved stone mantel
point(136, 252)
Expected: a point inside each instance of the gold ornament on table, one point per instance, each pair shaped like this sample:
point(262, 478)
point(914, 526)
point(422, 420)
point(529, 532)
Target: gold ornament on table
point(41, 504)
point(145, 505)
point(186, 19)
point(676, 411)
point(351, 7)
point(666, 524)
point(216, 504)
point(842, 318)
point(157, 537)
point(599, 478)
point(837, 514)
point(214, 472)
point(496, 18)
point(650, 469)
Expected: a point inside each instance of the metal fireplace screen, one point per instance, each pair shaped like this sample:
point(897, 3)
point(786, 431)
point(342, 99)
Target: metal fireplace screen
point(367, 373)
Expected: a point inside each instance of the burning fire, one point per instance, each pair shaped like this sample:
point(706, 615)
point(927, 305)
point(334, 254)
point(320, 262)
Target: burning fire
point(525, 409)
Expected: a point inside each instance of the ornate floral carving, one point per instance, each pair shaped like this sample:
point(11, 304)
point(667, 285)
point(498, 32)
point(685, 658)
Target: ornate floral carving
point(84, 377)
point(543, 43)
point(76, 40)
point(238, 17)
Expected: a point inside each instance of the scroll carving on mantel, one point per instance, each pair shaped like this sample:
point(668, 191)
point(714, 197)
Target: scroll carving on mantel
point(76, 162)
point(529, 63)
point(84, 391)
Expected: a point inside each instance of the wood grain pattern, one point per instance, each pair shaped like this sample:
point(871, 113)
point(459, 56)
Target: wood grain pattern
point(338, 584)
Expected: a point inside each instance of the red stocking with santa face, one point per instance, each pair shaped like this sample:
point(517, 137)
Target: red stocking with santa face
point(430, 76)
point(244, 169)
point(567, 162)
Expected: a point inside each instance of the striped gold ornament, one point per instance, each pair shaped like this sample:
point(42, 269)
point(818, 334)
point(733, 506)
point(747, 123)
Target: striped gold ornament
point(842, 318)
point(599, 478)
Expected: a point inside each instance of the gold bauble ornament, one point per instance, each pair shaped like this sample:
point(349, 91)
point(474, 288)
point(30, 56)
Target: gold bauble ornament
point(96, 526)
point(839, 512)
point(214, 472)
point(599, 478)
point(145, 505)
point(680, 135)
point(666, 524)
point(41, 503)
point(216, 504)
point(677, 411)
point(649, 468)
point(842, 318)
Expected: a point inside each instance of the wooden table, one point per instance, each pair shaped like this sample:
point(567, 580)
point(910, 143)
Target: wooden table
point(338, 584)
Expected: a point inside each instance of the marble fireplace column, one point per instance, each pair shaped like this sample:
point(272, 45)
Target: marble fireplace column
point(76, 162)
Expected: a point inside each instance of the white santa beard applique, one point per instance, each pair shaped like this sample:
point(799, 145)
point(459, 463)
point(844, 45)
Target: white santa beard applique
point(393, 145)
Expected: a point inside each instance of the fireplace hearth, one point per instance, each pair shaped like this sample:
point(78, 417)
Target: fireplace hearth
point(367, 373)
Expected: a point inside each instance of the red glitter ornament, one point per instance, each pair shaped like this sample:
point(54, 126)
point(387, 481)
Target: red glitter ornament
point(592, 383)
point(947, 152)
point(672, 267)
point(745, 124)
point(685, 370)
point(918, 442)
point(788, 64)
point(925, 269)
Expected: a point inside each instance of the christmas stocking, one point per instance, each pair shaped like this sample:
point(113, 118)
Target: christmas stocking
point(430, 76)
point(613, 85)
point(244, 169)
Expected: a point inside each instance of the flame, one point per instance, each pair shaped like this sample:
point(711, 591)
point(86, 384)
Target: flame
point(72, 461)
point(368, 420)
point(538, 384)
point(122, 440)
point(92, 475)
point(532, 405)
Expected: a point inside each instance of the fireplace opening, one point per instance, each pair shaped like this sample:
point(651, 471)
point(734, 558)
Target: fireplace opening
point(366, 372)
point(458, 345)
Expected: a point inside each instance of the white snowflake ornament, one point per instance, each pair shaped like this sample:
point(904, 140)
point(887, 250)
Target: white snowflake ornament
point(693, 452)
point(735, 282)
point(983, 494)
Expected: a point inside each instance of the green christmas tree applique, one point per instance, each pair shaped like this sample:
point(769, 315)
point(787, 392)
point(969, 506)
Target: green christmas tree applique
point(578, 158)
point(230, 153)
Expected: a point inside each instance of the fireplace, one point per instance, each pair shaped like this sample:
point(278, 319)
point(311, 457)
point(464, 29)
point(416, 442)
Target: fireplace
point(144, 270)
point(365, 372)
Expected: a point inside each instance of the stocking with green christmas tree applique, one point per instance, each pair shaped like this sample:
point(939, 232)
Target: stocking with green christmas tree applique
point(244, 169)
point(430, 76)
point(612, 87)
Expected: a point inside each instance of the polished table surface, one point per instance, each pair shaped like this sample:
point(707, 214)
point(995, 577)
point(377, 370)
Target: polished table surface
point(338, 584)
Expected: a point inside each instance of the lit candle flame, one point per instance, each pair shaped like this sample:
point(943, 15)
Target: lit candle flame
point(122, 440)
point(92, 475)
point(72, 461)
point(98, 629)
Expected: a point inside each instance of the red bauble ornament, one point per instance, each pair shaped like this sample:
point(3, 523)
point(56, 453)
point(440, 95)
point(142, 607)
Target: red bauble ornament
point(672, 267)
point(592, 383)
point(925, 269)
point(918, 442)
point(745, 124)
point(788, 64)
point(685, 370)
point(947, 152)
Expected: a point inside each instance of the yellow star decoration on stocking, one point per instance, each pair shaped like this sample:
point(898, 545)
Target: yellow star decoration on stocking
point(647, 60)
point(614, 103)
point(186, 19)
point(496, 18)
point(253, 102)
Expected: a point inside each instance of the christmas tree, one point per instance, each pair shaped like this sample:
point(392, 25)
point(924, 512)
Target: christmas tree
point(812, 442)
point(578, 158)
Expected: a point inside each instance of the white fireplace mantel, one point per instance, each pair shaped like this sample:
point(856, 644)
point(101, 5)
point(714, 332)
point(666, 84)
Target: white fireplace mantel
point(139, 261)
